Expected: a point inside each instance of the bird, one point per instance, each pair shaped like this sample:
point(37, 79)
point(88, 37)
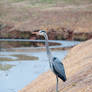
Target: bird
point(56, 65)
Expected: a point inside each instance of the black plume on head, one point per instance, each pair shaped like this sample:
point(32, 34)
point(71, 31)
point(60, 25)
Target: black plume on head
point(54, 58)
point(36, 30)
point(43, 31)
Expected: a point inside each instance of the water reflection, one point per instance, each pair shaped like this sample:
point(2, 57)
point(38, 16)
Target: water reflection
point(12, 43)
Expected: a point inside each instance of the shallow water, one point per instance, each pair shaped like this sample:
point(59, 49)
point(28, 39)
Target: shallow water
point(25, 71)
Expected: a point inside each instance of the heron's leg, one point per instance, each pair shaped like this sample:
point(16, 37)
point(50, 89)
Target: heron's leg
point(56, 83)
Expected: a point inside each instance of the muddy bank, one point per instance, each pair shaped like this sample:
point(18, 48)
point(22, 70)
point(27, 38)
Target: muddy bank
point(78, 66)
point(60, 33)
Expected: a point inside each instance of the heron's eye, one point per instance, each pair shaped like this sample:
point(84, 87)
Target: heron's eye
point(54, 58)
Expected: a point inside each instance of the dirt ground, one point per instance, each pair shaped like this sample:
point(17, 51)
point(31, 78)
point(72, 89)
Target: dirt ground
point(78, 66)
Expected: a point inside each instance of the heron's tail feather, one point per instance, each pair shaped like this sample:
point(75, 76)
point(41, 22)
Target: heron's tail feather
point(62, 77)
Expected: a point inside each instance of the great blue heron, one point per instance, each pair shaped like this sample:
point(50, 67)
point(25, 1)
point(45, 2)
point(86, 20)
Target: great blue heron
point(55, 64)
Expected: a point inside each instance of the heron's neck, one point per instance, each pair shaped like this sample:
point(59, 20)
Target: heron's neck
point(47, 47)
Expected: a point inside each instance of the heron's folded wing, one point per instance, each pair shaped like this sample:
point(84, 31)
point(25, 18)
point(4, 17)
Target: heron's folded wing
point(59, 68)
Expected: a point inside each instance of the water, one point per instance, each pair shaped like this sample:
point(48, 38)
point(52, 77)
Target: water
point(25, 71)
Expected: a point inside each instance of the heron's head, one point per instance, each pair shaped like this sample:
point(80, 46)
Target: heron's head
point(42, 32)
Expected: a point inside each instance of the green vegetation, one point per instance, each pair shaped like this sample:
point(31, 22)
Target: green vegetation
point(5, 67)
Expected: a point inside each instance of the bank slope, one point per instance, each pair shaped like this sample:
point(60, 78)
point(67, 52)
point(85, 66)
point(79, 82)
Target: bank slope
point(78, 66)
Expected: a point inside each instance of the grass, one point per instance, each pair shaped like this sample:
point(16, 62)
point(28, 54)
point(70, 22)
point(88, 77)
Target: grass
point(5, 67)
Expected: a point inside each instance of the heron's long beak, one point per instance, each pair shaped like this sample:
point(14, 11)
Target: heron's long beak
point(35, 32)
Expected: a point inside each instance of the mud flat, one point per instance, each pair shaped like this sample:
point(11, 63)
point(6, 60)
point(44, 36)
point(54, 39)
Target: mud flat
point(78, 66)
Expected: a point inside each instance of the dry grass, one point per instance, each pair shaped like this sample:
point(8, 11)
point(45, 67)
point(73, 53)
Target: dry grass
point(29, 15)
point(78, 66)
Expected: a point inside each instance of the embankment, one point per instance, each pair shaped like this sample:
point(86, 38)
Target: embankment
point(78, 66)
point(54, 33)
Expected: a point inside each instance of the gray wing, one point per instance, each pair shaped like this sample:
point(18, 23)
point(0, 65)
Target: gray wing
point(59, 68)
